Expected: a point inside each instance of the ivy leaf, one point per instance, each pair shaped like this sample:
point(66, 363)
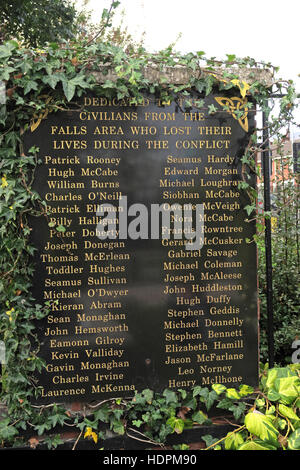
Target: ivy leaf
point(209, 81)
point(212, 109)
point(51, 80)
point(249, 209)
point(273, 395)
point(190, 402)
point(176, 424)
point(207, 397)
point(117, 413)
point(256, 444)
point(183, 393)
point(201, 391)
point(118, 427)
point(156, 415)
point(7, 48)
point(245, 390)
point(231, 57)
point(262, 427)
point(137, 422)
point(148, 394)
point(288, 389)
point(181, 447)
point(283, 385)
point(245, 159)
point(260, 402)
point(103, 414)
point(170, 396)
point(209, 440)
point(146, 417)
point(238, 410)
point(90, 433)
point(287, 412)
point(232, 394)
point(30, 85)
point(79, 80)
point(26, 66)
point(211, 398)
point(5, 72)
point(233, 441)
point(6, 430)
point(53, 442)
point(282, 424)
point(225, 404)
point(69, 89)
point(294, 440)
point(41, 428)
point(278, 373)
point(139, 399)
point(199, 417)
point(218, 388)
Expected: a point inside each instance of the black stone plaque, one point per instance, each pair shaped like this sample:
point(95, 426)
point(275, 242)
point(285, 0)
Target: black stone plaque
point(128, 314)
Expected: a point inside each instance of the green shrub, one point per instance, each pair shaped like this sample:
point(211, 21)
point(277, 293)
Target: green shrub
point(286, 270)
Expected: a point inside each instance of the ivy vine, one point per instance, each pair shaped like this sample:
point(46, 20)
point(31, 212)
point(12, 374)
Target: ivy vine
point(65, 72)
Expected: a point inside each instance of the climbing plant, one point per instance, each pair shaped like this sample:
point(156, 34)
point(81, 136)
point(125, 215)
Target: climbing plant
point(285, 262)
point(63, 73)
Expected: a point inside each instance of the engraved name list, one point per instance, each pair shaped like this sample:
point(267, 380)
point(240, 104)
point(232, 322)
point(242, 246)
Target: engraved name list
point(129, 313)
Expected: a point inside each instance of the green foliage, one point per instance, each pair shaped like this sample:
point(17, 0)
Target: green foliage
point(256, 444)
point(53, 441)
point(37, 21)
point(181, 447)
point(285, 263)
point(268, 423)
point(233, 441)
point(265, 421)
point(294, 440)
point(261, 426)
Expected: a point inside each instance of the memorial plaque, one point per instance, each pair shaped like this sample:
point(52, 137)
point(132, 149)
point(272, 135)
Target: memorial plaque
point(134, 308)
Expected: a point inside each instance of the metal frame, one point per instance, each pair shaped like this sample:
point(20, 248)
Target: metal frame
point(265, 161)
